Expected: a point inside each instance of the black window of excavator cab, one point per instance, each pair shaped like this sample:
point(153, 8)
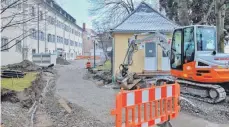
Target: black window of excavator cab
point(189, 44)
point(176, 56)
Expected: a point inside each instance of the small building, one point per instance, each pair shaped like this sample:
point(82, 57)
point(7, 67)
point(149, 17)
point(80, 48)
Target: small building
point(150, 57)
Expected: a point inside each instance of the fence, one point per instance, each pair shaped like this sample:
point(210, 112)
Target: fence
point(149, 107)
point(87, 57)
point(44, 59)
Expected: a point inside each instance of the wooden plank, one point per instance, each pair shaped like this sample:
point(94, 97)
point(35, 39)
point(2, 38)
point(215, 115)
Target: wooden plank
point(130, 86)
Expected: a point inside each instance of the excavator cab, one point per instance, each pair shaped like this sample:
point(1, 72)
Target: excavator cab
point(194, 55)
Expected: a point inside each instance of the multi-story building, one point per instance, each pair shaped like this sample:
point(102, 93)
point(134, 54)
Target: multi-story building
point(89, 37)
point(46, 28)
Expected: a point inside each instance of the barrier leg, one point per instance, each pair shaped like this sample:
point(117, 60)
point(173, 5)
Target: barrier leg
point(165, 124)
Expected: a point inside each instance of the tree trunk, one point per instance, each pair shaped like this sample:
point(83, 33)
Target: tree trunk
point(223, 11)
point(220, 16)
point(183, 12)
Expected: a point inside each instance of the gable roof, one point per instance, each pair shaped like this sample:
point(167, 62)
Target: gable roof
point(143, 19)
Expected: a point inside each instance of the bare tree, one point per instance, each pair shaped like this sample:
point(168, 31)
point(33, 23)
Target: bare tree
point(13, 17)
point(103, 37)
point(111, 11)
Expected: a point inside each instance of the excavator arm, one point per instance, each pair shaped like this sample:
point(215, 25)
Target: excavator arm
point(134, 43)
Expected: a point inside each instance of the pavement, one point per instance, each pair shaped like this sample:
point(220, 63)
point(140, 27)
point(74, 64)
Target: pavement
point(99, 101)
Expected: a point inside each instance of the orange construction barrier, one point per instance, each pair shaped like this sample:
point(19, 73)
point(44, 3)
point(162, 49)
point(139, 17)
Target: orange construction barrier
point(149, 106)
point(87, 57)
point(88, 65)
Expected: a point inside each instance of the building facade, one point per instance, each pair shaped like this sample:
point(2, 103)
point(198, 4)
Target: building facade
point(150, 56)
point(46, 28)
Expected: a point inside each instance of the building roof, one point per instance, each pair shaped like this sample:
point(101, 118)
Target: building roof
point(144, 18)
point(62, 12)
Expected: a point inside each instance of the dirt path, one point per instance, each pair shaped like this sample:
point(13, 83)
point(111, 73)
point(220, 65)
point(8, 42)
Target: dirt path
point(86, 94)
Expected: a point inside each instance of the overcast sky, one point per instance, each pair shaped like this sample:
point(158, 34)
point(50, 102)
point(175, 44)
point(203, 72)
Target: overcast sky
point(78, 9)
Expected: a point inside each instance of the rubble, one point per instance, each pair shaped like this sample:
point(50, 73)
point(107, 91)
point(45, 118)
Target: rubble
point(25, 65)
point(217, 113)
point(61, 61)
point(15, 105)
point(99, 75)
point(13, 115)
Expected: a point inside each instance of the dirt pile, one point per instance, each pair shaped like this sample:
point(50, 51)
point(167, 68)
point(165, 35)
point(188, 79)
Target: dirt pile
point(15, 105)
point(61, 61)
point(26, 97)
point(105, 76)
point(25, 65)
point(32, 94)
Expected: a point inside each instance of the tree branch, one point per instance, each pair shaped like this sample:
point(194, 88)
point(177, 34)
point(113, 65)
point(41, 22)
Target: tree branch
point(204, 19)
point(10, 6)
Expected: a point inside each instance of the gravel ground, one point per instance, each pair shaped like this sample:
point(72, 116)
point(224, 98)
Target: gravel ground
point(217, 113)
point(13, 115)
point(59, 117)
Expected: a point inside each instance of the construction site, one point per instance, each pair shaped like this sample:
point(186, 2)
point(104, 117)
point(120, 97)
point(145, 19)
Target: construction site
point(158, 73)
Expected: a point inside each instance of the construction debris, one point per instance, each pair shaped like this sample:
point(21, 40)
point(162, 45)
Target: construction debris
point(25, 65)
point(64, 104)
point(12, 74)
point(62, 61)
point(105, 76)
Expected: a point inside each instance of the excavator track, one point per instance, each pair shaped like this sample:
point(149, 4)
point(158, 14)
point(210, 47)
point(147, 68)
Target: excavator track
point(198, 91)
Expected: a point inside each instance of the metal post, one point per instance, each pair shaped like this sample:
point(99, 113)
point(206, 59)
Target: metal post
point(94, 53)
point(38, 45)
point(46, 49)
point(55, 34)
point(23, 46)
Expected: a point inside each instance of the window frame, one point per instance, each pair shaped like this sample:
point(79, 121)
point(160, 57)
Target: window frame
point(6, 46)
point(184, 48)
point(172, 61)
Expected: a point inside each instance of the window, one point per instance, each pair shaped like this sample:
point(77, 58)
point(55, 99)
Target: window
point(18, 46)
point(58, 39)
point(4, 44)
point(176, 50)
point(66, 41)
point(49, 19)
point(33, 33)
point(41, 15)
point(189, 45)
point(61, 40)
point(33, 11)
point(53, 38)
point(206, 38)
point(42, 36)
point(19, 6)
point(49, 38)
point(33, 51)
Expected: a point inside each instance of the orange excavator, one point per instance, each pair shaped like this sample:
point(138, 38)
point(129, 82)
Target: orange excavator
point(195, 63)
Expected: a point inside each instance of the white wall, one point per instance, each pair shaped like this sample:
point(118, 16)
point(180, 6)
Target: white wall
point(47, 28)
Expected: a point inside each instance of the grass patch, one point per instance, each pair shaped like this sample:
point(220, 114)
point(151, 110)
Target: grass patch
point(105, 66)
point(18, 84)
